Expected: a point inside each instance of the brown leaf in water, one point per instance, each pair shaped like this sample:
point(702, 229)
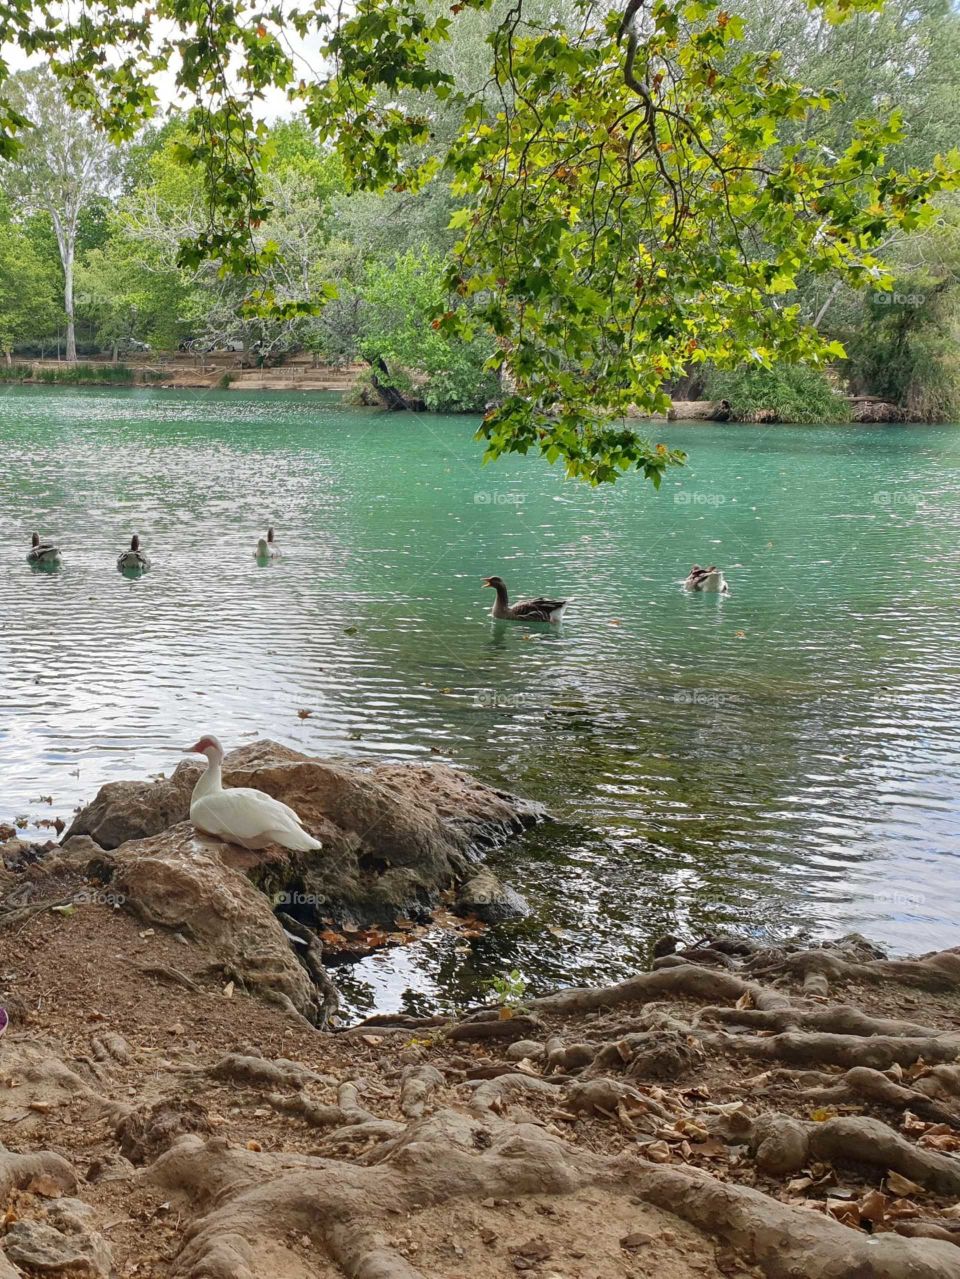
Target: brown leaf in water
point(304, 714)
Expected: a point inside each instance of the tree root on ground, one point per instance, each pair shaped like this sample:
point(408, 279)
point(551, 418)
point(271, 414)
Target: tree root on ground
point(862, 1083)
point(782, 1145)
point(18, 1171)
point(690, 1108)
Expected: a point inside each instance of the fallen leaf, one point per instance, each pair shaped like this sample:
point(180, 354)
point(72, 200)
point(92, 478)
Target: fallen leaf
point(843, 1211)
point(658, 1151)
point(820, 1114)
point(304, 714)
point(798, 1185)
point(745, 1000)
point(873, 1206)
point(228, 990)
point(902, 1186)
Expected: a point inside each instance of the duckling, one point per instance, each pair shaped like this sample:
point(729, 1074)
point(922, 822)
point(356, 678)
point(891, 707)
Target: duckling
point(710, 580)
point(134, 560)
point(43, 553)
point(539, 610)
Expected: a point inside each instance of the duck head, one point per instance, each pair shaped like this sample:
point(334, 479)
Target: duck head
point(497, 583)
point(35, 539)
point(135, 543)
point(270, 533)
point(208, 746)
point(263, 548)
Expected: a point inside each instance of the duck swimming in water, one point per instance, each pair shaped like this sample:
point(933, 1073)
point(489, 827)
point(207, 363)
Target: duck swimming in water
point(43, 553)
point(267, 548)
point(710, 580)
point(539, 610)
point(135, 560)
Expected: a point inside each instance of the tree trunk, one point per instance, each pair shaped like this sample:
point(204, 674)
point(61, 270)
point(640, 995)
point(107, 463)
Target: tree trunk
point(700, 410)
point(68, 303)
point(116, 350)
point(391, 398)
point(8, 357)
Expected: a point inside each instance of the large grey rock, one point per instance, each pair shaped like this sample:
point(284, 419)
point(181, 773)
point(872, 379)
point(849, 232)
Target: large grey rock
point(394, 836)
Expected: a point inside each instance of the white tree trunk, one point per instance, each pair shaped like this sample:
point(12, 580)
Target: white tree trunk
point(67, 255)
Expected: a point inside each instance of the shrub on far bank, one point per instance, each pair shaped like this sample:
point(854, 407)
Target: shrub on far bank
point(790, 392)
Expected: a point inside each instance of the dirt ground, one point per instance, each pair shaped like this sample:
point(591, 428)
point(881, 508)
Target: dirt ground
point(733, 1112)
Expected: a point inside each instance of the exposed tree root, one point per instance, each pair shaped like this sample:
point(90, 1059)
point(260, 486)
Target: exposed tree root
point(257, 1072)
point(683, 1123)
point(790, 1243)
point(783, 1145)
point(18, 1171)
point(862, 1083)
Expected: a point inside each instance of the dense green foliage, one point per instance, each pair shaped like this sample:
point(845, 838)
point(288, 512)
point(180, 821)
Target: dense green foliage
point(564, 206)
point(789, 392)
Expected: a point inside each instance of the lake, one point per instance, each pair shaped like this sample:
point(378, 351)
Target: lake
point(782, 759)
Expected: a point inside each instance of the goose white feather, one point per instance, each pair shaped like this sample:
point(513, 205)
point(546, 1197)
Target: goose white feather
point(241, 814)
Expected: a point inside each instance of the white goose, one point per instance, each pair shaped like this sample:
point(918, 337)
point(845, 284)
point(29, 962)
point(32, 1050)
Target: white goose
point(241, 814)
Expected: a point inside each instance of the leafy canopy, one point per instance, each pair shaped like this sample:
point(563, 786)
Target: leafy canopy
point(637, 195)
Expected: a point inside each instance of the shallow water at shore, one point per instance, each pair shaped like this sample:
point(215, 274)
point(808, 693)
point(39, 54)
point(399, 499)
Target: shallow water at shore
point(783, 758)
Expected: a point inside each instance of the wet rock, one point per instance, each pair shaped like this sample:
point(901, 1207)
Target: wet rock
point(65, 1243)
point(394, 835)
point(486, 897)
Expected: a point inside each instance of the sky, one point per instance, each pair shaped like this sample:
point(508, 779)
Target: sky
point(274, 105)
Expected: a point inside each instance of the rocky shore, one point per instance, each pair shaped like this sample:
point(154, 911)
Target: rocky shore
point(172, 1105)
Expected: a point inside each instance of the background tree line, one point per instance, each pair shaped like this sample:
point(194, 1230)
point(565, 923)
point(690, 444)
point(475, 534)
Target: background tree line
point(91, 234)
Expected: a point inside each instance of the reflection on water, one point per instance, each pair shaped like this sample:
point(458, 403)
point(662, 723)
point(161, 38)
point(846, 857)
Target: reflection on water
point(781, 758)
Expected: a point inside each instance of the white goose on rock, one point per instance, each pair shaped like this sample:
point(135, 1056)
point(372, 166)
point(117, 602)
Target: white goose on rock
point(241, 814)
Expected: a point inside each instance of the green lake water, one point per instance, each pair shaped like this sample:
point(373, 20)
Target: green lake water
point(785, 758)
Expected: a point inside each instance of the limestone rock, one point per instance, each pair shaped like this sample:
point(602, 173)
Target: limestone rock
point(394, 836)
point(68, 1245)
point(186, 881)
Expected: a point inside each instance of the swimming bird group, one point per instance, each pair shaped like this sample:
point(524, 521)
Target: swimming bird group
point(134, 560)
point(543, 608)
